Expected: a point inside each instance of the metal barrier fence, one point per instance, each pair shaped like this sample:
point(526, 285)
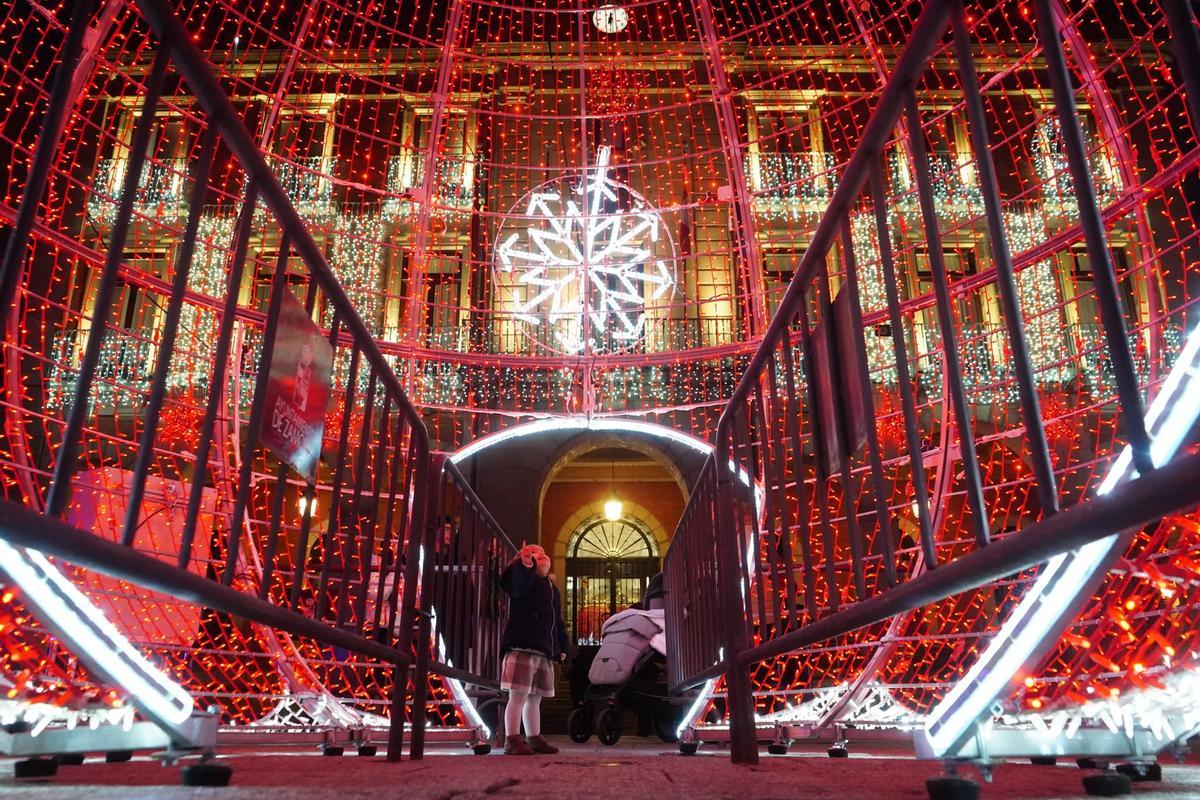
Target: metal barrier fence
point(322, 558)
point(793, 535)
point(463, 610)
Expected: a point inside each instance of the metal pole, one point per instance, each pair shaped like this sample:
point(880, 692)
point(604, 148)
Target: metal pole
point(398, 463)
point(951, 364)
point(912, 437)
point(776, 455)
point(216, 388)
point(884, 545)
point(743, 743)
point(275, 520)
point(1035, 431)
point(840, 422)
point(420, 678)
point(803, 517)
point(350, 548)
point(408, 603)
point(367, 543)
point(162, 364)
point(437, 120)
point(339, 473)
point(257, 410)
point(1108, 298)
point(821, 462)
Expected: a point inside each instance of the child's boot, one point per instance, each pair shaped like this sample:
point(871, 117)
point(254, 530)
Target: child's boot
point(540, 745)
point(515, 746)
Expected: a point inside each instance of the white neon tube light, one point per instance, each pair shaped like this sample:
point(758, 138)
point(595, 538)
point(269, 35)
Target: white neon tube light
point(602, 424)
point(581, 423)
point(456, 687)
point(696, 707)
point(88, 634)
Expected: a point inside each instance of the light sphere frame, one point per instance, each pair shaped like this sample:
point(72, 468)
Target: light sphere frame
point(580, 275)
point(610, 18)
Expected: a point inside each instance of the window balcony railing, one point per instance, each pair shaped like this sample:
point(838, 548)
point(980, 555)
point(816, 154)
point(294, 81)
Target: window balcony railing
point(791, 185)
point(122, 374)
point(1051, 168)
point(955, 185)
point(1061, 354)
point(1073, 356)
point(511, 336)
point(307, 183)
point(161, 188)
point(159, 191)
point(453, 182)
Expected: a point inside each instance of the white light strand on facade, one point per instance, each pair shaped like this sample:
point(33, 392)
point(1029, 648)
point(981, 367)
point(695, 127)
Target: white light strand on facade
point(1040, 299)
point(357, 259)
point(792, 187)
point(208, 276)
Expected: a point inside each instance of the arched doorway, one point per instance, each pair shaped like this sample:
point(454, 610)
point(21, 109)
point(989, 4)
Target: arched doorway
point(608, 565)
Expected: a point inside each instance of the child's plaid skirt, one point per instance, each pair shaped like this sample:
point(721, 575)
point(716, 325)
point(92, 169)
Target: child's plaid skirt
point(529, 672)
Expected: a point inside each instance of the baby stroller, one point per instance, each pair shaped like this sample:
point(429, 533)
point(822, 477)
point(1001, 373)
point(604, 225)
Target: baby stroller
point(627, 672)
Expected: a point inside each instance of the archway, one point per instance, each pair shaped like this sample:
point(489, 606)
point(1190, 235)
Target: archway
point(608, 565)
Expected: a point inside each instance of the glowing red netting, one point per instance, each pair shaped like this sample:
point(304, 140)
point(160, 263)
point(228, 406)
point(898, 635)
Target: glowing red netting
point(342, 97)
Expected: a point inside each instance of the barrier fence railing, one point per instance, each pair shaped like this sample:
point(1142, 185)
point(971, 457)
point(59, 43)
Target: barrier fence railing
point(463, 610)
point(791, 537)
point(344, 577)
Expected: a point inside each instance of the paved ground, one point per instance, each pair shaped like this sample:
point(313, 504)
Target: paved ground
point(630, 771)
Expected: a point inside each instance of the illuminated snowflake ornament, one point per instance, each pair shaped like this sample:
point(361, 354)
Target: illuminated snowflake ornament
point(582, 262)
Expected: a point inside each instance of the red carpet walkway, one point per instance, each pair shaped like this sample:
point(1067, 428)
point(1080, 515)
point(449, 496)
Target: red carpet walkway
point(630, 771)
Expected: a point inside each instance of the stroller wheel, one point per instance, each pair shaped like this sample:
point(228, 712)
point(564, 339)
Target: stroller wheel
point(580, 723)
point(608, 726)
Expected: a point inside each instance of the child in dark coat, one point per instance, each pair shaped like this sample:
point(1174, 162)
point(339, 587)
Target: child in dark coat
point(534, 640)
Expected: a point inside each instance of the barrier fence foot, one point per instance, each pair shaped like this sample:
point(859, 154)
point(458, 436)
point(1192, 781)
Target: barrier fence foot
point(118, 756)
point(206, 773)
point(1141, 771)
point(689, 748)
point(1043, 761)
point(951, 787)
point(35, 768)
point(69, 759)
point(1107, 784)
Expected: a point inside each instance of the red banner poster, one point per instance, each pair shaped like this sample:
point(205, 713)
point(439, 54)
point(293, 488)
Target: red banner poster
point(297, 389)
